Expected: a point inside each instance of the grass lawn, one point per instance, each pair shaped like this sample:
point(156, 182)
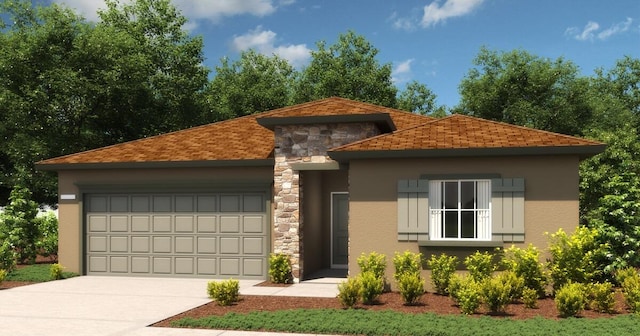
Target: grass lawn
point(363, 322)
point(35, 273)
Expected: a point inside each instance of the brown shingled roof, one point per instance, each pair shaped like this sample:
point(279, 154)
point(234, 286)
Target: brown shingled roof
point(464, 132)
point(235, 139)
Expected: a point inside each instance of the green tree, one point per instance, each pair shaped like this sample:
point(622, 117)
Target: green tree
point(254, 83)
point(519, 88)
point(418, 98)
point(18, 226)
point(347, 69)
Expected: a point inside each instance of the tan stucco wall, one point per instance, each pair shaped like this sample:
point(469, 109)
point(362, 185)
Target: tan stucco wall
point(551, 198)
point(77, 182)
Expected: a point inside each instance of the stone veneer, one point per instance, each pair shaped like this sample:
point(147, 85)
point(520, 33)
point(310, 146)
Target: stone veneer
point(298, 144)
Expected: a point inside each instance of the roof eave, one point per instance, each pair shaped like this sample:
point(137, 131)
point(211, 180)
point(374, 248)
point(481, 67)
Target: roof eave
point(582, 151)
point(154, 164)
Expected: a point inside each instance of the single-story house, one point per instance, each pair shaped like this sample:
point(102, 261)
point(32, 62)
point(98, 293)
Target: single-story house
point(323, 182)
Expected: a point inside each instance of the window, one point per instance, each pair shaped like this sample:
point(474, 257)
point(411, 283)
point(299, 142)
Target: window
point(460, 209)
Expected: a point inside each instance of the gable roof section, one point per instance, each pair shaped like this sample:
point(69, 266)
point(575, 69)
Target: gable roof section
point(459, 135)
point(231, 142)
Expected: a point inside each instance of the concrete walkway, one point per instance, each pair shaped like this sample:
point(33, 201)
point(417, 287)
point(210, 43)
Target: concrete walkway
point(93, 305)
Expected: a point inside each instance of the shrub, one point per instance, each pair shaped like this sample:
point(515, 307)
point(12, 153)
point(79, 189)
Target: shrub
point(480, 265)
point(526, 264)
point(280, 268)
point(17, 225)
point(411, 287)
point(500, 290)
point(601, 297)
point(574, 258)
point(375, 263)
point(55, 271)
point(570, 299)
point(7, 256)
point(349, 292)
point(407, 263)
point(631, 292)
point(47, 243)
point(372, 287)
point(530, 297)
point(466, 292)
point(624, 273)
point(442, 269)
point(224, 292)
point(3, 274)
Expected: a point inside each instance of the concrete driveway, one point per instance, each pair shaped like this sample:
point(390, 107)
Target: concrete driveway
point(93, 305)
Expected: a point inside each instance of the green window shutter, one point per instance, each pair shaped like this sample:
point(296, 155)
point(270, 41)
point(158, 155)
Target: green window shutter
point(507, 209)
point(413, 210)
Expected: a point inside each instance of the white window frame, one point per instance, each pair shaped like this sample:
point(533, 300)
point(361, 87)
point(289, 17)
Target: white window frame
point(482, 209)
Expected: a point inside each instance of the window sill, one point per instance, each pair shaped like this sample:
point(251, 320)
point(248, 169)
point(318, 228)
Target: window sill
point(460, 243)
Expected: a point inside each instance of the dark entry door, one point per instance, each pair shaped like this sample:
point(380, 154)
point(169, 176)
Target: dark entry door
point(339, 230)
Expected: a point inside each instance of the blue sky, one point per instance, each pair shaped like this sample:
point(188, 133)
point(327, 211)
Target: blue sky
point(433, 42)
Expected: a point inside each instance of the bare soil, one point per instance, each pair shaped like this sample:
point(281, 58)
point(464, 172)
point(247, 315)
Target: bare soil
point(430, 303)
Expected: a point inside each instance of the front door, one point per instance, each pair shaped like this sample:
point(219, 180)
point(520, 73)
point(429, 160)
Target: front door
point(339, 229)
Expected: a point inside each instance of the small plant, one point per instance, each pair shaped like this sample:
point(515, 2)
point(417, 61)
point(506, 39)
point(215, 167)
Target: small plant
point(8, 256)
point(631, 292)
point(3, 274)
point(56, 272)
point(466, 292)
point(375, 263)
point(601, 297)
point(406, 263)
point(280, 268)
point(526, 264)
point(224, 293)
point(372, 287)
point(47, 242)
point(624, 273)
point(500, 290)
point(570, 299)
point(442, 268)
point(349, 292)
point(480, 265)
point(530, 297)
point(411, 286)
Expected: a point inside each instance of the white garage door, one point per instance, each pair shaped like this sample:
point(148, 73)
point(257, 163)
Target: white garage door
point(184, 235)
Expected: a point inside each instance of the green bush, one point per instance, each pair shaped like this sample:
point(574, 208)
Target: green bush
point(442, 268)
point(3, 274)
point(280, 268)
point(373, 262)
point(526, 264)
point(530, 297)
point(575, 258)
point(407, 263)
point(480, 265)
point(8, 256)
point(47, 242)
point(601, 297)
point(466, 292)
point(624, 273)
point(500, 290)
point(349, 292)
point(56, 271)
point(372, 287)
point(18, 227)
point(411, 286)
point(225, 292)
point(570, 299)
point(631, 292)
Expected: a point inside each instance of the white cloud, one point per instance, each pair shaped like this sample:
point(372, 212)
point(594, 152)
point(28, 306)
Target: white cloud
point(193, 9)
point(591, 30)
point(402, 71)
point(617, 28)
point(435, 12)
point(403, 23)
point(264, 42)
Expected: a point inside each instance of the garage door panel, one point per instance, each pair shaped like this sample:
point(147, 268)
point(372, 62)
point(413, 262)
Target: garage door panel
point(155, 234)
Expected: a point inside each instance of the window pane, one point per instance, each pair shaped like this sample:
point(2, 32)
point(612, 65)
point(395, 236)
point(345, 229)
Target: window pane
point(451, 195)
point(468, 224)
point(450, 224)
point(467, 194)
